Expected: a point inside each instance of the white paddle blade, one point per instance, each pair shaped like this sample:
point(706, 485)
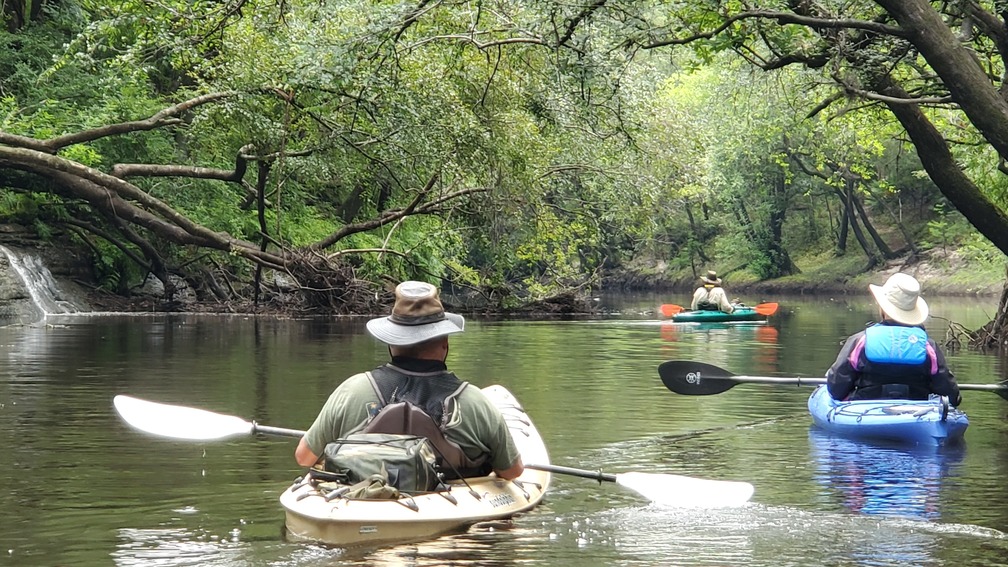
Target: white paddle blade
point(179, 422)
point(687, 492)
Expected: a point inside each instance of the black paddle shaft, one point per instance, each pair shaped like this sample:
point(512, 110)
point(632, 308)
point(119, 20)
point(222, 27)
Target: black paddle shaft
point(556, 469)
point(700, 379)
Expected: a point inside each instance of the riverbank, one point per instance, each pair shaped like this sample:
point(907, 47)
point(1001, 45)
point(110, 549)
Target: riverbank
point(947, 273)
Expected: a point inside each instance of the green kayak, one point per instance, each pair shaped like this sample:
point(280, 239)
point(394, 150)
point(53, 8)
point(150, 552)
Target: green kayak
point(703, 316)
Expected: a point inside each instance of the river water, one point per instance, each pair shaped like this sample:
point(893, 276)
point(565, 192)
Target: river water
point(79, 487)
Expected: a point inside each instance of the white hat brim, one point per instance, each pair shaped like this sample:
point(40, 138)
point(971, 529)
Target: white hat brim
point(915, 316)
point(395, 334)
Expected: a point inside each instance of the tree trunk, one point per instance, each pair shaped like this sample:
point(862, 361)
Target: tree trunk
point(873, 259)
point(743, 218)
point(883, 248)
point(19, 13)
point(972, 90)
point(783, 263)
point(842, 223)
point(262, 177)
point(696, 246)
point(914, 251)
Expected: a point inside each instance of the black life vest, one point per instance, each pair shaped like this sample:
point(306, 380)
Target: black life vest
point(419, 405)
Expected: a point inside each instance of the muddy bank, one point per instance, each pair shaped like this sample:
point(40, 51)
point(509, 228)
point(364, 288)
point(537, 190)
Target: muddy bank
point(939, 274)
point(931, 284)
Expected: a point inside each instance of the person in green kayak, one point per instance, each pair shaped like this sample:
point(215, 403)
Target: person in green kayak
point(894, 358)
point(465, 425)
point(710, 296)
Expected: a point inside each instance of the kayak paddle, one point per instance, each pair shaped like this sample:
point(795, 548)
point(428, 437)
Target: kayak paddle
point(701, 379)
point(669, 489)
point(670, 309)
point(766, 309)
point(180, 422)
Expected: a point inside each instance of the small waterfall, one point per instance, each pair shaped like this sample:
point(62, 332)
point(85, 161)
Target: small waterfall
point(42, 288)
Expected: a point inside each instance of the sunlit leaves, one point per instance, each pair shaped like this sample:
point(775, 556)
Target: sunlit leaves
point(552, 256)
point(580, 124)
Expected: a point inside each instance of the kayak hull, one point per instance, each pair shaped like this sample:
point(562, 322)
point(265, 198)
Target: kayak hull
point(702, 316)
point(916, 422)
point(348, 522)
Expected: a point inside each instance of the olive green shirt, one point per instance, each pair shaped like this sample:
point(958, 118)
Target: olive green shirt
point(475, 424)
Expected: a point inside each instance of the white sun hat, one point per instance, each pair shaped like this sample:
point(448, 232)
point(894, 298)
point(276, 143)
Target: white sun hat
point(900, 299)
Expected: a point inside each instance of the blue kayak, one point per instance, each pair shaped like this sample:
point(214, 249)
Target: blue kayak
point(918, 422)
point(703, 316)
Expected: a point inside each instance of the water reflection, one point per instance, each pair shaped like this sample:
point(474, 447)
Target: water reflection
point(881, 480)
point(81, 488)
point(718, 340)
point(757, 330)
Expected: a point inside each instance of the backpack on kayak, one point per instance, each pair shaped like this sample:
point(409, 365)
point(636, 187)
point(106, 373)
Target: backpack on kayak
point(401, 444)
point(405, 462)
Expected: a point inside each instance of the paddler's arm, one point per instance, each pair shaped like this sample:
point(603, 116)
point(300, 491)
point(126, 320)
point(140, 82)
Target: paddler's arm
point(304, 455)
point(335, 419)
point(841, 378)
point(723, 302)
point(512, 472)
point(944, 382)
point(505, 458)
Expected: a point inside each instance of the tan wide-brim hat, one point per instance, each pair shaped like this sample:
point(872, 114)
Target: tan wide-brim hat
point(899, 298)
point(417, 316)
point(711, 278)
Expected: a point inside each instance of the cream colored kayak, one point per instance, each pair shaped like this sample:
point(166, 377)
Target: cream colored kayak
point(347, 522)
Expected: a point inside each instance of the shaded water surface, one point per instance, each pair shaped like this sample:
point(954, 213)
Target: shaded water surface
point(81, 488)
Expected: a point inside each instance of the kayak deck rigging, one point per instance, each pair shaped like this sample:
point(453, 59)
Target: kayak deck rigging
point(927, 422)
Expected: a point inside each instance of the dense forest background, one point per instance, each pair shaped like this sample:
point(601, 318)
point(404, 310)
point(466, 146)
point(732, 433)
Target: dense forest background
point(311, 154)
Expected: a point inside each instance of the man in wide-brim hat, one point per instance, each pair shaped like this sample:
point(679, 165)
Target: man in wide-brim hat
point(894, 358)
point(710, 296)
point(417, 333)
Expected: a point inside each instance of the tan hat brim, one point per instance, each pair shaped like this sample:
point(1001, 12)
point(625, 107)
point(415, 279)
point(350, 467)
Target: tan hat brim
point(395, 334)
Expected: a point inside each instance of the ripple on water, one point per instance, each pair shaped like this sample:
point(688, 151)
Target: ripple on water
point(775, 535)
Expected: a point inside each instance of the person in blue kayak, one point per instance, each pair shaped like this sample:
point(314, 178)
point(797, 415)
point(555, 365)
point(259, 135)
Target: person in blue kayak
point(894, 358)
point(710, 296)
point(464, 424)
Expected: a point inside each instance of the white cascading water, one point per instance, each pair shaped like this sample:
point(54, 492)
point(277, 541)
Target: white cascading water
point(38, 280)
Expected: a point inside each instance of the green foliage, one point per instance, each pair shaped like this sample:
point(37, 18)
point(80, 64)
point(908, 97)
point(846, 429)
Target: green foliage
point(975, 249)
point(938, 229)
point(18, 208)
point(82, 154)
point(584, 158)
point(109, 269)
point(948, 230)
